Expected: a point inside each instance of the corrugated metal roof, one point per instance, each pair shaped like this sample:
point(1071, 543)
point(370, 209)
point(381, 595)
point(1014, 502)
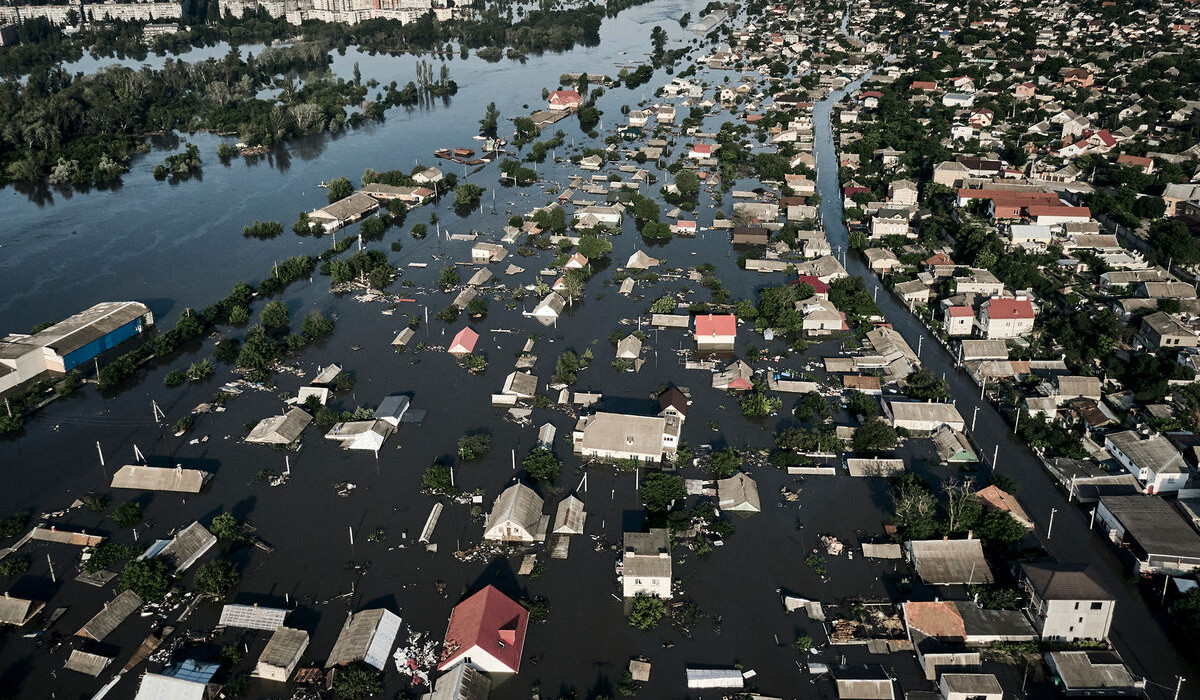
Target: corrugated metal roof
point(177, 479)
point(186, 547)
point(941, 562)
point(253, 617)
point(87, 663)
point(72, 333)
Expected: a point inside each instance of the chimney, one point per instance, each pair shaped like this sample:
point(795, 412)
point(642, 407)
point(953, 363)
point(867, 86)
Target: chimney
point(970, 534)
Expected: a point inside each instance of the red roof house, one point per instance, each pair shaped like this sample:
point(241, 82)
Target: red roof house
point(820, 289)
point(487, 630)
point(565, 99)
point(463, 343)
point(715, 331)
point(924, 85)
point(701, 150)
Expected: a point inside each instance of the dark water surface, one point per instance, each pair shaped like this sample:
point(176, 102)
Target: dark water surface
point(180, 245)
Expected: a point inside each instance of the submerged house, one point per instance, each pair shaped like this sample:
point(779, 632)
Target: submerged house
point(186, 680)
point(280, 430)
point(487, 631)
point(646, 564)
point(361, 434)
point(367, 636)
point(738, 493)
point(281, 655)
point(516, 517)
point(184, 549)
point(174, 479)
point(622, 436)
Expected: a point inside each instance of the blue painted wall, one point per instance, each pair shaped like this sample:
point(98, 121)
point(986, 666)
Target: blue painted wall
point(99, 345)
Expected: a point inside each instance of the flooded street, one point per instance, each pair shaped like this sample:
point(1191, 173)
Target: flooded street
point(180, 245)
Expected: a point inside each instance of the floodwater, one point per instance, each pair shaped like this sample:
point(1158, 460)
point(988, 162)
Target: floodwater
point(175, 246)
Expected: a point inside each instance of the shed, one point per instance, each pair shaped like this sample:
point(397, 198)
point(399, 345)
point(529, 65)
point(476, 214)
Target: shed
point(481, 277)
point(714, 678)
point(367, 636)
point(640, 670)
point(548, 310)
point(280, 430)
point(87, 663)
point(255, 617)
point(321, 393)
point(923, 417)
point(546, 435)
point(946, 562)
point(864, 682)
point(281, 655)
point(671, 321)
point(570, 516)
point(1091, 673)
point(952, 446)
point(464, 297)
point(18, 611)
point(108, 619)
point(187, 680)
point(995, 498)
point(738, 493)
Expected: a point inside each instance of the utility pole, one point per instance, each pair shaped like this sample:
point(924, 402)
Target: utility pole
point(1050, 527)
point(974, 416)
point(1092, 522)
point(1178, 684)
point(995, 455)
point(1017, 420)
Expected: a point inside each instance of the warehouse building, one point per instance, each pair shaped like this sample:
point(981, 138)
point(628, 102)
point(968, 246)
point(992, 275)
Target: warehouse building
point(70, 343)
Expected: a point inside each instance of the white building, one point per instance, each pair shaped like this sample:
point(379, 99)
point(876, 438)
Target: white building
point(620, 436)
point(646, 566)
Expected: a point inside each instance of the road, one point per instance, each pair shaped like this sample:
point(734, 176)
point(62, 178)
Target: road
point(1139, 632)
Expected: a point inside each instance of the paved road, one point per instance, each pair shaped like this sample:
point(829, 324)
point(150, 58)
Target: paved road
point(1138, 633)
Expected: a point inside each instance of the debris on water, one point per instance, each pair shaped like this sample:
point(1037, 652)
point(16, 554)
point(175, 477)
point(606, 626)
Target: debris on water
point(417, 658)
point(344, 488)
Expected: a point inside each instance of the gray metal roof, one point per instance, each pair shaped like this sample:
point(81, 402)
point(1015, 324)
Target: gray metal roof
point(17, 611)
point(462, 682)
point(73, 333)
point(356, 637)
point(569, 517)
point(1054, 581)
point(113, 614)
point(972, 683)
point(738, 492)
point(519, 504)
point(1155, 452)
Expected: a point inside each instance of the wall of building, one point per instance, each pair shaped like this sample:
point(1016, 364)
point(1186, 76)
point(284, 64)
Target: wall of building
point(100, 12)
point(1070, 620)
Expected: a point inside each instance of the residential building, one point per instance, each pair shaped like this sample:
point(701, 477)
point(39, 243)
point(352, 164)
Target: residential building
point(1151, 534)
point(487, 631)
point(864, 682)
point(463, 342)
point(949, 562)
point(970, 686)
point(1065, 603)
point(366, 636)
point(186, 680)
point(646, 564)
point(738, 493)
point(958, 320)
point(516, 517)
point(1161, 330)
point(344, 211)
point(715, 332)
point(564, 100)
point(1006, 318)
point(281, 655)
point(613, 436)
point(462, 682)
point(922, 417)
point(1154, 461)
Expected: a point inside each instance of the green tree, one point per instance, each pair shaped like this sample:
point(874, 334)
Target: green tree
point(199, 371)
point(449, 277)
point(724, 463)
point(339, 188)
point(127, 514)
point(1171, 242)
point(174, 378)
point(148, 578)
point(358, 680)
point(924, 385)
point(274, 316)
point(541, 464)
point(659, 490)
point(758, 404)
point(216, 578)
point(999, 529)
point(14, 566)
point(859, 404)
point(491, 117)
point(663, 305)
point(316, 325)
point(646, 612)
point(437, 477)
point(594, 247)
point(467, 195)
point(688, 183)
point(1185, 613)
point(226, 527)
point(874, 435)
point(474, 446)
